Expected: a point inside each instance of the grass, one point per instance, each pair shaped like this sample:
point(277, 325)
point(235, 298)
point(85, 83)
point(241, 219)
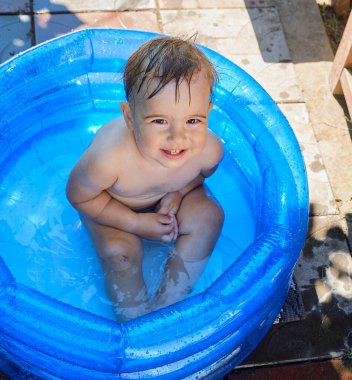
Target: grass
point(334, 25)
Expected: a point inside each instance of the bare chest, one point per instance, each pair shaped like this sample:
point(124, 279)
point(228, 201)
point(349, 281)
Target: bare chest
point(142, 188)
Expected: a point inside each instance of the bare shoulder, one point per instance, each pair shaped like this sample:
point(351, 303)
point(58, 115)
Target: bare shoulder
point(105, 150)
point(110, 135)
point(99, 166)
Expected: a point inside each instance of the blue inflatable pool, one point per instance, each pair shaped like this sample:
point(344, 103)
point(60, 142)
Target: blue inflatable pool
point(55, 321)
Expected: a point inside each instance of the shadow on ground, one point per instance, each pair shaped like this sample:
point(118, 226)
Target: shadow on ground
point(264, 13)
point(324, 276)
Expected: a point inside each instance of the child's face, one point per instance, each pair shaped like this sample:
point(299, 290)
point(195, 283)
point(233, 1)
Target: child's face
point(171, 132)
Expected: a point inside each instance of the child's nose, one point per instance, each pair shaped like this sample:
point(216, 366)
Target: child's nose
point(177, 134)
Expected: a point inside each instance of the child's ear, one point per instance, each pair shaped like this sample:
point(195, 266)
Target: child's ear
point(210, 106)
point(127, 114)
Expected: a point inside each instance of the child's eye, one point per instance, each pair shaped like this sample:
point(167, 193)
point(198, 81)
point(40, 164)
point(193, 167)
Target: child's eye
point(159, 121)
point(193, 121)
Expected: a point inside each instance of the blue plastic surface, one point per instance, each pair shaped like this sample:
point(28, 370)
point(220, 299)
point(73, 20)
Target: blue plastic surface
point(48, 93)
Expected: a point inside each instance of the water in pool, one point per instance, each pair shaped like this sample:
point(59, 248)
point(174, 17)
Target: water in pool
point(41, 237)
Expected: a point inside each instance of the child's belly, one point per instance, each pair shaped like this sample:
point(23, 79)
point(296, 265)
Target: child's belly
point(138, 202)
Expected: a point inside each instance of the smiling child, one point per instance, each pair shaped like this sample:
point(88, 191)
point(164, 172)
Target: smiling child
point(142, 176)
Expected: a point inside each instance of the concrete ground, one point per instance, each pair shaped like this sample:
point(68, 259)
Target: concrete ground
point(283, 45)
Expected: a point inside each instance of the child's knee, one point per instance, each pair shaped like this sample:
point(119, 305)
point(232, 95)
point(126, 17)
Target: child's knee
point(122, 254)
point(215, 213)
point(209, 215)
point(206, 217)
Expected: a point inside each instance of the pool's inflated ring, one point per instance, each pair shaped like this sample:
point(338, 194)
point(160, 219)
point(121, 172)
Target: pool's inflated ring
point(204, 336)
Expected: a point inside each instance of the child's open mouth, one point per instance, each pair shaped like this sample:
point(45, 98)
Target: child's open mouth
point(174, 153)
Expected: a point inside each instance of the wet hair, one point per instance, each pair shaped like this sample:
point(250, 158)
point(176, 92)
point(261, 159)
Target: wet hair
point(162, 60)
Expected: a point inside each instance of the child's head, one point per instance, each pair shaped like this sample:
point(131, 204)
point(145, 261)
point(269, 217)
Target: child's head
point(161, 61)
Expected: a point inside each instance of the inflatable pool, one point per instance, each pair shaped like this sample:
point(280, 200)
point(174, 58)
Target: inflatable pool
point(53, 99)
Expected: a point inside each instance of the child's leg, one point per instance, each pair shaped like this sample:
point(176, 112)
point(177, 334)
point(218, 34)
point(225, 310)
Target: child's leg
point(121, 256)
point(200, 220)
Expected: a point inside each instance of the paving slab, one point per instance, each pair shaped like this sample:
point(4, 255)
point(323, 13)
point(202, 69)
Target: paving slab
point(252, 31)
point(208, 4)
point(55, 6)
point(298, 117)
point(312, 57)
point(321, 197)
point(327, 296)
point(48, 25)
point(15, 35)
point(15, 6)
point(278, 79)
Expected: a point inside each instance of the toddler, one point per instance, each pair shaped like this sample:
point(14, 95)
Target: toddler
point(142, 176)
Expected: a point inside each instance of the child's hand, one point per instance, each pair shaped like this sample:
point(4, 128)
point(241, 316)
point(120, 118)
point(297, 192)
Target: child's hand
point(175, 227)
point(170, 203)
point(155, 226)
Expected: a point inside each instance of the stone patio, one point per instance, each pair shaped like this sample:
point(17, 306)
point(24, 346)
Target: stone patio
point(282, 44)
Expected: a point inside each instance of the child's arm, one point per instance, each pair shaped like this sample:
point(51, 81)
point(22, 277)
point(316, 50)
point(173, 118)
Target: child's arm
point(86, 190)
